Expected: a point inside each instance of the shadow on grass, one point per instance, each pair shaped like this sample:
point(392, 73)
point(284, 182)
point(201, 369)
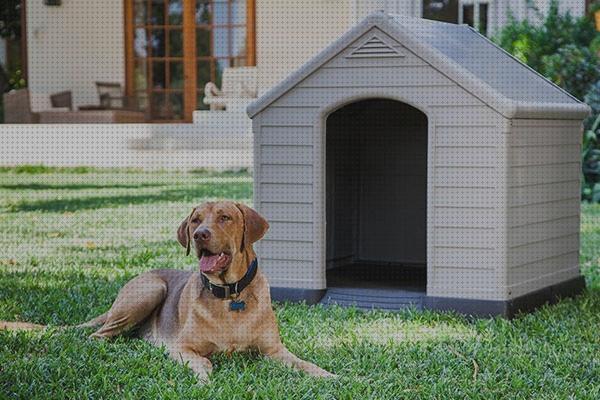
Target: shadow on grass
point(73, 295)
point(125, 257)
point(235, 191)
point(62, 297)
point(78, 186)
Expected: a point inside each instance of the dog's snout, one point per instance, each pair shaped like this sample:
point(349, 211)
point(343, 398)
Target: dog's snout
point(202, 234)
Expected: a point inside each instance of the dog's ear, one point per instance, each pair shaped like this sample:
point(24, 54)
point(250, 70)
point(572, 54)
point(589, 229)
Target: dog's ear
point(255, 225)
point(183, 233)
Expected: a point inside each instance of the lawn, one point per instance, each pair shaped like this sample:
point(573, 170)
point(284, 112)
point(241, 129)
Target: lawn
point(69, 239)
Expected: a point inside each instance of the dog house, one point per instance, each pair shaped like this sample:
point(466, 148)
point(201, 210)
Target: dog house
point(414, 162)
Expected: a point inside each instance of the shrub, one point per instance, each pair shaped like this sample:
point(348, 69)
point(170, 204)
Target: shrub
point(590, 161)
point(592, 98)
point(573, 68)
point(532, 43)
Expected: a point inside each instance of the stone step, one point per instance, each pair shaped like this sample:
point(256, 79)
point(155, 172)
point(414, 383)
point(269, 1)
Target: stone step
point(369, 299)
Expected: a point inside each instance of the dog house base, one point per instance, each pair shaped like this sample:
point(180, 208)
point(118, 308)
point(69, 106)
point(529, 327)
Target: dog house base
point(310, 296)
point(508, 308)
point(478, 308)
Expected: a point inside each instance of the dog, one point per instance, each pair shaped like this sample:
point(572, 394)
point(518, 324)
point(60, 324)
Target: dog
point(225, 306)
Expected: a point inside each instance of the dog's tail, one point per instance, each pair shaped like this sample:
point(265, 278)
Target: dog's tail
point(19, 326)
point(26, 326)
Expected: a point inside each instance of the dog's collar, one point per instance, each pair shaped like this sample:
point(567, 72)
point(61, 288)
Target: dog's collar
point(231, 290)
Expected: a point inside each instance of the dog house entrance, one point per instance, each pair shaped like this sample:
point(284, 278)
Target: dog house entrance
point(376, 204)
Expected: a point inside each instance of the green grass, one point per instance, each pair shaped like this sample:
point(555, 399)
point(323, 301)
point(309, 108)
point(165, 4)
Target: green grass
point(69, 239)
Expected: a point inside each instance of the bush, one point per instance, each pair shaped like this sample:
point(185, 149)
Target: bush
point(592, 98)
point(565, 50)
point(573, 68)
point(590, 161)
point(533, 43)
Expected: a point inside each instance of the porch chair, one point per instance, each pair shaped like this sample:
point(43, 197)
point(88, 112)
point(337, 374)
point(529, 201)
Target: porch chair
point(238, 89)
point(112, 97)
point(63, 100)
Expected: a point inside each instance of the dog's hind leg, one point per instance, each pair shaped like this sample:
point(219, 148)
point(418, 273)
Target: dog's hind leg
point(136, 301)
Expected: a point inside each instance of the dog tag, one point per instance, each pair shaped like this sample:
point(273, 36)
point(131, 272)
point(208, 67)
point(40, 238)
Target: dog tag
point(237, 305)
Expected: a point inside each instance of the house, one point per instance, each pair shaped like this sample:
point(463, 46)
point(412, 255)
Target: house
point(161, 54)
point(164, 52)
point(397, 167)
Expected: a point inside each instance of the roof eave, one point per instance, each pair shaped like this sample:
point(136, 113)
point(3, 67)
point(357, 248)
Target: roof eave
point(575, 111)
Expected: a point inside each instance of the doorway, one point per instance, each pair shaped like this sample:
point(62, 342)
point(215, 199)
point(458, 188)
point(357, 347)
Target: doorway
point(376, 197)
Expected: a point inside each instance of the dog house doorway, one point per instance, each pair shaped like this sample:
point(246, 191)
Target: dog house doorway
point(376, 204)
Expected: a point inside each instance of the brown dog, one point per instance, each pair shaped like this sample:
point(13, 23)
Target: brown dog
point(195, 314)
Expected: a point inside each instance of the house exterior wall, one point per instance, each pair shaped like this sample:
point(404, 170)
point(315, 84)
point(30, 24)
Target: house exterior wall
point(289, 32)
point(466, 238)
point(361, 8)
point(73, 45)
point(543, 204)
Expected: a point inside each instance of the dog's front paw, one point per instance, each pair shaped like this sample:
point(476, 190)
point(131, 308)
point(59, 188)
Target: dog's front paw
point(318, 372)
point(326, 374)
point(202, 379)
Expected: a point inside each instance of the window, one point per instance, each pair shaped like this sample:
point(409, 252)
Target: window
point(441, 10)
point(475, 14)
point(471, 12)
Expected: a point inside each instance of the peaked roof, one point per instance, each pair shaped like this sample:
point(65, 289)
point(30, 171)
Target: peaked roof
point(465, 56)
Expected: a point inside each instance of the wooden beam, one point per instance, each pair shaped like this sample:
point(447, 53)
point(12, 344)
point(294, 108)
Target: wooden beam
point(189, 59)
point(251, 32)
point(129, 54)
point(24, 55)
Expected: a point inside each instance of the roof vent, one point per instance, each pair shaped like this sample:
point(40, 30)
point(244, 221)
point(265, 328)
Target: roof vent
point(374, 47)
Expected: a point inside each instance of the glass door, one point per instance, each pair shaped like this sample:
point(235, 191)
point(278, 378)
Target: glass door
point(158, 66)
point(175, 47)
point(222, 40)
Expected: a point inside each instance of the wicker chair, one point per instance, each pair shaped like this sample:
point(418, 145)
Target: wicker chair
point(62, 100)
point(112, 97)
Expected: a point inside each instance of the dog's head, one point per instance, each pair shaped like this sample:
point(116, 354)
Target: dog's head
point(220, 232)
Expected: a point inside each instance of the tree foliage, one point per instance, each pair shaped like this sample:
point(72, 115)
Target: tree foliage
point(10, 19)
point(561, 47)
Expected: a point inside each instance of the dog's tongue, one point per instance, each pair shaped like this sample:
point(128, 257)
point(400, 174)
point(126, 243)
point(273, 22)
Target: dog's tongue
point(208, 263)
point(212, 263)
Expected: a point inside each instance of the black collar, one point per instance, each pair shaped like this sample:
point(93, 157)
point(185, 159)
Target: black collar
point(231, 289)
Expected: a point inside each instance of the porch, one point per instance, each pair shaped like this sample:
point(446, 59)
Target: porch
point(147, 146)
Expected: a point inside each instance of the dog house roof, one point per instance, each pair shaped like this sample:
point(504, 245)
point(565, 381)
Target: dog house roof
point(465, 56)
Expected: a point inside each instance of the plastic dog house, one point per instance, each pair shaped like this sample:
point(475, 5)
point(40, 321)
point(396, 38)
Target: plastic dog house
point(413, 162)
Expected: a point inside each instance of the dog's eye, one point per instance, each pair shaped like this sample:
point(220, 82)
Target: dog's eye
point(195, 220)
point(225, 218)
